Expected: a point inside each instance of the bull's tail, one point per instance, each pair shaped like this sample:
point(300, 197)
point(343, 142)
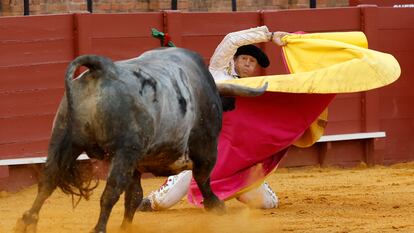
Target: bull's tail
point(68, 175)
point(95, 64)
point(227, 90)
point(64, 171)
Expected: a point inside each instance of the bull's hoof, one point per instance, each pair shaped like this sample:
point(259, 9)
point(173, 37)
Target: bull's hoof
point(31, 228)
point(97, 231)
point(27, 223)
point(125, 226)
point(22, 227)
point(215, 206)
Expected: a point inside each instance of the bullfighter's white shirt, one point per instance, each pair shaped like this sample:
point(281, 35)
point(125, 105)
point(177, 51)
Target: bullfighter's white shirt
point(222, 63)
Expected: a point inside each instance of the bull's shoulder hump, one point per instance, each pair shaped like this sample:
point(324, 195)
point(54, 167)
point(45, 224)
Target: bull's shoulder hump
point(168, 53)
point(121, 63)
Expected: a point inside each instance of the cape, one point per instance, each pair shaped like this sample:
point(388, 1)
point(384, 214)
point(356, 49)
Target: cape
point(257, 134)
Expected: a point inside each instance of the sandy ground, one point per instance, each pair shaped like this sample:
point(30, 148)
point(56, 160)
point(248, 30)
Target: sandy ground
point(377, 199)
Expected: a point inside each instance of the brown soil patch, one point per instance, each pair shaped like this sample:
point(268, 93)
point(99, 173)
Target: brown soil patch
point(377, 199)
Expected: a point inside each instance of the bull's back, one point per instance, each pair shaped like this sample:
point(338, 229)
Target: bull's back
point(185, 92)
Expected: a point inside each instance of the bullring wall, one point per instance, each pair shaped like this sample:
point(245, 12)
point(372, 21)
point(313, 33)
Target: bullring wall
point(36, 49)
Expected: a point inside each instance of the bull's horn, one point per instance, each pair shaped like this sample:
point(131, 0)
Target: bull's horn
point(227, 89)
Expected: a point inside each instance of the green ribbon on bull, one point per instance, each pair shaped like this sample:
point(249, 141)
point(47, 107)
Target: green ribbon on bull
point(164, 38)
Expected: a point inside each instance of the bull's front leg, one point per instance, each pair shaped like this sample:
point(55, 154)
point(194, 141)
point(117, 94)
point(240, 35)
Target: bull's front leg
point(210, 201)
point(120, 176)
point(202, 167)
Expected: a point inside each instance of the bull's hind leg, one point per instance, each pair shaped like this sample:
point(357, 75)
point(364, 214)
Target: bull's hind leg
point(204, 158)
point(120, 177)
point(28, 222)
point(46, 186)
point(133, 197)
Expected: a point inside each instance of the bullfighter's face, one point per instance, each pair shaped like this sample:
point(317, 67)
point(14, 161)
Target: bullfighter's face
point(245, 65)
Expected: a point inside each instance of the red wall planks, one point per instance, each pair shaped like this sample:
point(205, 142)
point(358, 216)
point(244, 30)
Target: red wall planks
point(384, 3)
point(36, 49)
point(396, 36)
point(36, 40)
point(118, 36)
point(202, 32)
point(34, 53)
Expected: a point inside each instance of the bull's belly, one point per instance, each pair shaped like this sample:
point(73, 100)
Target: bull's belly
point(165, 164)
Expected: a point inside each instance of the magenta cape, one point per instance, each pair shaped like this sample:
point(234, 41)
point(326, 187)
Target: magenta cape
point(256, 136)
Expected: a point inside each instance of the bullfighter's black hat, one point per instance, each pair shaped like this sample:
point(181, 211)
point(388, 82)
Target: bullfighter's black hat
point(255, 52)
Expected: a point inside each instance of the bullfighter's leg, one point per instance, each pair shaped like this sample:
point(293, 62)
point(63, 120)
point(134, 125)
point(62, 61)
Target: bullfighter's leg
point(169, 194)
point(261, 197)
point(133, 197)
point(46, 186)
point(202, 167)
point(121, 173)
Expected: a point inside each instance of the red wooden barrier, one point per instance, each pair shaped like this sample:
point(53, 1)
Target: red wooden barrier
point(34, 54)
point(36, 49)
point(202, 32)
point(396, 36)
point(118, 36)
point(383, 3)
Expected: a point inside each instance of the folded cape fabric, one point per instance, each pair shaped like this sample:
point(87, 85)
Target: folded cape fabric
point(257, 134)
point(329, 63)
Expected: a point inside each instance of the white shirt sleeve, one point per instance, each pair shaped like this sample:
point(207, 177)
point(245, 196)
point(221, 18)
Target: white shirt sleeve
point(221, 62)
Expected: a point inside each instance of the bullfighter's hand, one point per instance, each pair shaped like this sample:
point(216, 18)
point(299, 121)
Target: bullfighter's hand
point(276, 37)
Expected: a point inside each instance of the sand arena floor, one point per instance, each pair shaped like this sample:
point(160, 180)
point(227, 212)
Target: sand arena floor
point(378, 199)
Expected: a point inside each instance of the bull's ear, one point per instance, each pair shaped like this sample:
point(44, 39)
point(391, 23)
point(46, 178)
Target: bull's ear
point(228, 103)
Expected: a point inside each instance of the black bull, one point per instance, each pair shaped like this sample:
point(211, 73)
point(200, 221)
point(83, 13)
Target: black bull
point(158, 113)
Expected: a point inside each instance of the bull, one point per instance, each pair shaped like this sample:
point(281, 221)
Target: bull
point(160, 113)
